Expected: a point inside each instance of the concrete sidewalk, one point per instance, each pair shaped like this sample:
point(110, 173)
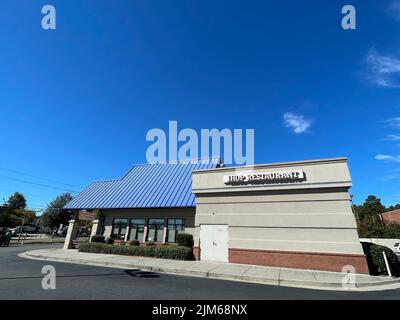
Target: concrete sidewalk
point(220, 270)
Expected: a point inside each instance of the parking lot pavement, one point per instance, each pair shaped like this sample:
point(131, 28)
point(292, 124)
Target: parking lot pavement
point(21, 279)
point(221, 270)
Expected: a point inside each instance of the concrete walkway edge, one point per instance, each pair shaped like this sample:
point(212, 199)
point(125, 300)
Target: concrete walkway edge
point(225, 271)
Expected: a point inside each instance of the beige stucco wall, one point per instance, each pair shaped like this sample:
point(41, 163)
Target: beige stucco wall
point(149, 213)
point(313, 215)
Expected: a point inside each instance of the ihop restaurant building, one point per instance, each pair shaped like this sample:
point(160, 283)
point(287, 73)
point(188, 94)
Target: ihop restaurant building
point(290, 214)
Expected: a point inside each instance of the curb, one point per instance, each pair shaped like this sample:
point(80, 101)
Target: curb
point(15, 243)
point(363, 286)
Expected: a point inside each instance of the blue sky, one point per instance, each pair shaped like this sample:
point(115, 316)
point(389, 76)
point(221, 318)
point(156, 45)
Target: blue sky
point(76, 102)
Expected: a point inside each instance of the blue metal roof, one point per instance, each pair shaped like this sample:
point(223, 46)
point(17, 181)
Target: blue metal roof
point(160, 185)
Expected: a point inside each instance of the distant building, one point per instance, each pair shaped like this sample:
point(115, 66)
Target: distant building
point(391, 216)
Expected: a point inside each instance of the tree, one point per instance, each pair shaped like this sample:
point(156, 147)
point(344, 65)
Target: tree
point(6, 217)
point(23, 217)
point(370, 228)
point(16, 201)
point(371, 207)
point(395, 207)
point(370, 224)
point(13, 210)
point(54, 215)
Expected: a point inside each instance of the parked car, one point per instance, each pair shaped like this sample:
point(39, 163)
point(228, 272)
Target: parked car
point(397, 247)
point(26, 229)
point(45, 230)
point(62, 231)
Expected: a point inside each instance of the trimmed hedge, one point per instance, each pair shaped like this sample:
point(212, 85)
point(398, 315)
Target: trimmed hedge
point(134, 243)
point(109, 240)
point(166, 252)
point(376, 263)
point(185, 240)
point(98, 238)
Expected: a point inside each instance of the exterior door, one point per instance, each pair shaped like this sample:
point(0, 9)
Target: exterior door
point(214, 242)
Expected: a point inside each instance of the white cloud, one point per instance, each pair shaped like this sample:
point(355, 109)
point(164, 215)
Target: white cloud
point(394, 122)
point(392, 137)
point(387, 157)
point(394, 9)
point(383, 71)
point(390, 177)
point(296, 122)
point(383, 157)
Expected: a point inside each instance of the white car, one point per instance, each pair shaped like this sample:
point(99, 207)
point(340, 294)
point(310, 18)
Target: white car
point(397, 247)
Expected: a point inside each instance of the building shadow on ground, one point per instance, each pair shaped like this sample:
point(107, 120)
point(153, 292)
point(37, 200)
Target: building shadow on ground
point(141, 273)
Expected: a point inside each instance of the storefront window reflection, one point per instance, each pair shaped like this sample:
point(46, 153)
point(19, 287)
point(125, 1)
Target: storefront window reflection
point(119, 228)
point(175, 226)
point(155, 230)
point(136, 230)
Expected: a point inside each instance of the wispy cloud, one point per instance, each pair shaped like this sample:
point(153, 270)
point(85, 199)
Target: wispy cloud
point(394, 122)
point(296, 122)
point(386, 157)
point(394, 9)
point(390, 177)
point(392, 137)
point(383, 70)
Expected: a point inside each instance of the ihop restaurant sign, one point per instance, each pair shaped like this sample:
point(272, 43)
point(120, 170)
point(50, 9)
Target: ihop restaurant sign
point(265, 177)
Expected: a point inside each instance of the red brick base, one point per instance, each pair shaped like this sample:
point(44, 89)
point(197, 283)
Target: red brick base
point(196, 253)
point(299, 260)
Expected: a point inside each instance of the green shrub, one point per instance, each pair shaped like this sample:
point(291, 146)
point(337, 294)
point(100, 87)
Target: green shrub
point(122, 243)
point(372, 227)
point(134, 243)
point(185, 240)
point(392, 231)
point(109, 240)
point(165, 252)
point(150, 243)
point(376, 263)
point(98, 238)
point(95, 247)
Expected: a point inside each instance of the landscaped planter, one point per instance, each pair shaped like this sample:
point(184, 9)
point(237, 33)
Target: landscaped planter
point(155, 251)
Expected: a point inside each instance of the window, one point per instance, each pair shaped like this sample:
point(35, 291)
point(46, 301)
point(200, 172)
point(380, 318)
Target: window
point(119, 228)
point(175, 226)
point(155, 230)
point(136, 230)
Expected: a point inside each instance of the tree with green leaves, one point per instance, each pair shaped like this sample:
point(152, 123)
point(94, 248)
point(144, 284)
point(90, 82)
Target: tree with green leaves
point(23, 217)
point(371, 228)
point(395, 207)
point(16, 201)
point(370, 224)
point(6, 217)
point(371, 208)
point(14, 213)
point(54, 215)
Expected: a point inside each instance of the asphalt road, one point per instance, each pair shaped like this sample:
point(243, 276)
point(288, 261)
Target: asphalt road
point(21, 279)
